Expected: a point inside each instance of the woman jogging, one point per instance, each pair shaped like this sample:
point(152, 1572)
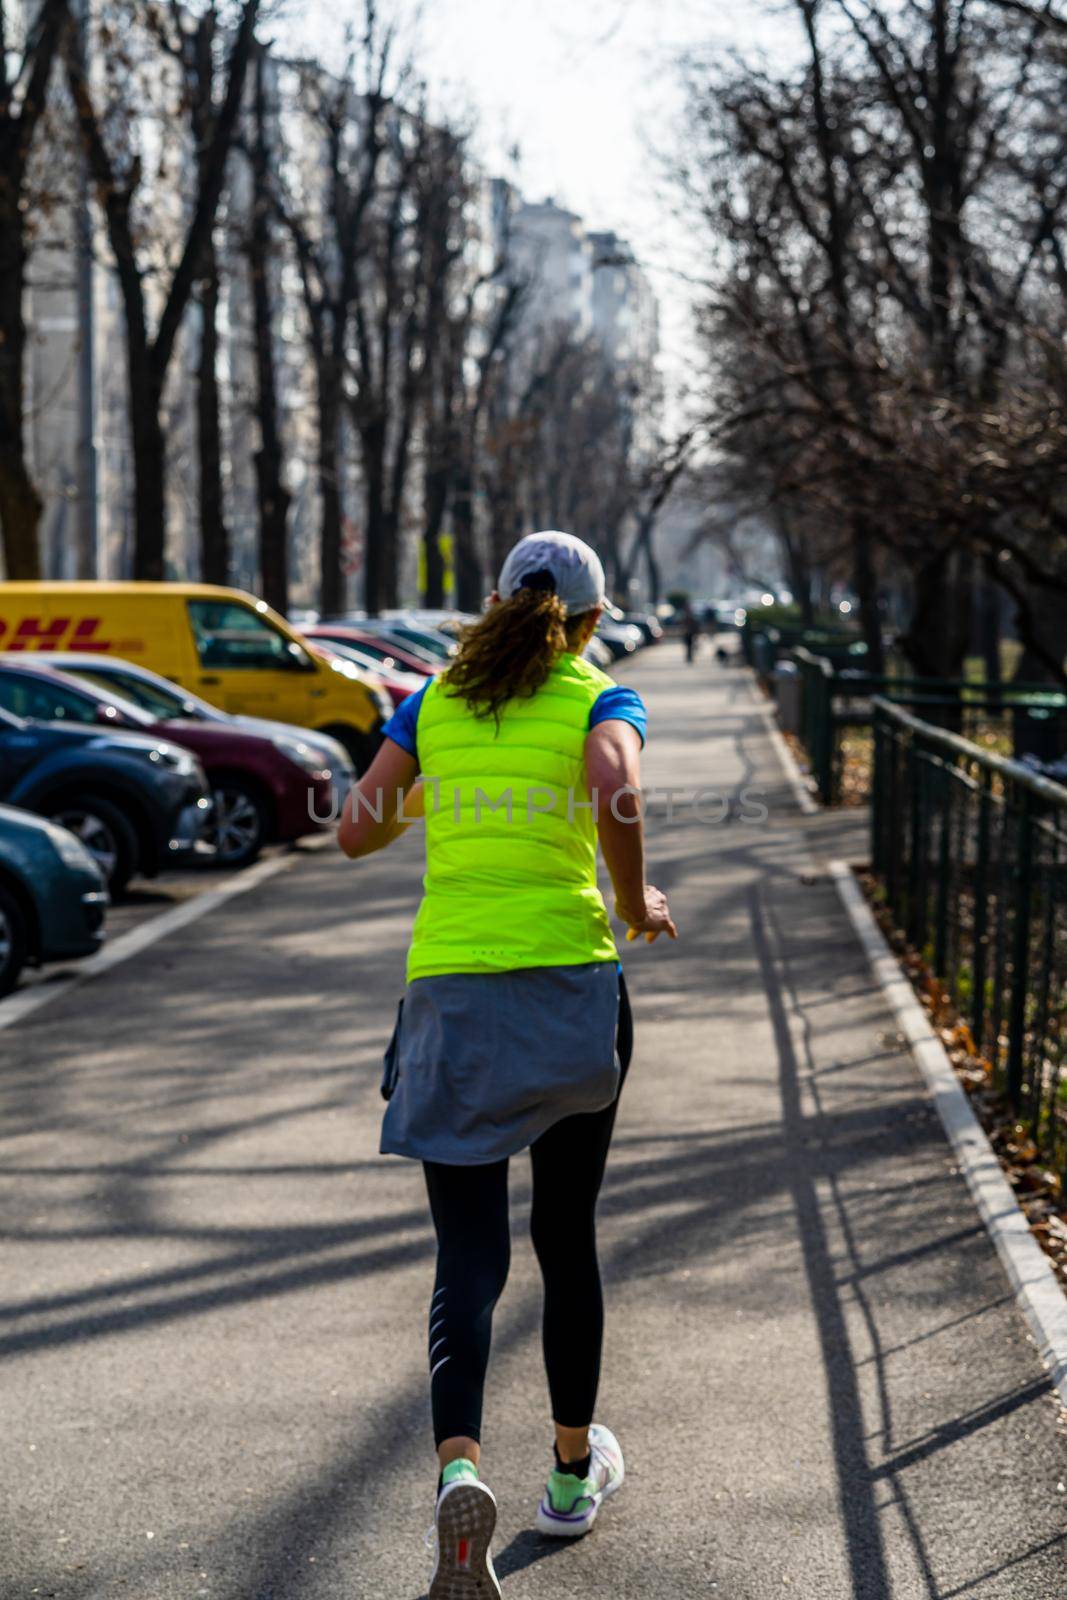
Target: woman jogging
point(514, 1030)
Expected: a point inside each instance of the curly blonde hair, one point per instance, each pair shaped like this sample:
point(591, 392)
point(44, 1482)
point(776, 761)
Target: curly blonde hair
point(510, 651)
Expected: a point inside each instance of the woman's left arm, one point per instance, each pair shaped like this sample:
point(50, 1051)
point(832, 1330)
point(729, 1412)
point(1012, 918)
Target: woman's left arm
point(382, 805)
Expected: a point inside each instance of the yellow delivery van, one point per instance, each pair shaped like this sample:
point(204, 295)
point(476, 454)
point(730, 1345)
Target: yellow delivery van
point(223, 644)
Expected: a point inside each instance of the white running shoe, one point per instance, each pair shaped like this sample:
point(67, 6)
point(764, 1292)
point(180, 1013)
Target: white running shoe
point(464, 1523)
point(569, 1506)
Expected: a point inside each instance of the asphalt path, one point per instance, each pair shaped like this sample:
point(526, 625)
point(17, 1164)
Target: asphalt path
point(213, 1290)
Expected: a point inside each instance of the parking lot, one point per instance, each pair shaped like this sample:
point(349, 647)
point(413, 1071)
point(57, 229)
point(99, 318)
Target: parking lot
point(144, 904)
point(214, 1289)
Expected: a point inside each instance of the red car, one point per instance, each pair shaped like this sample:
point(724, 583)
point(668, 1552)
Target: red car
point(385, 655)
point(265, 788)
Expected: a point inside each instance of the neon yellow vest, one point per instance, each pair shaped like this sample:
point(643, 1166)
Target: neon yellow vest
point(503, 894)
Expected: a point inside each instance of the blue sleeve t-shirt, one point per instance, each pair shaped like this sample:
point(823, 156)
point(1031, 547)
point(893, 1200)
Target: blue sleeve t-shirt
point(615, 704)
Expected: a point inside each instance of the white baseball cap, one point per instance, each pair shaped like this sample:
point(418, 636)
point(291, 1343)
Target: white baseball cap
point(556, 561)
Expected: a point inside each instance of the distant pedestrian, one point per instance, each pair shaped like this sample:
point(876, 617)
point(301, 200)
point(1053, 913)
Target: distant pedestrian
point(690, 632)
point(514, 1031)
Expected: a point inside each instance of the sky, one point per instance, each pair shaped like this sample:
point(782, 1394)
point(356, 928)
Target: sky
point(588, 92)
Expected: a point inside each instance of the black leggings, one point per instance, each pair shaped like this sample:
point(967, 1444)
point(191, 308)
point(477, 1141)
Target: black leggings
point(470, 1215)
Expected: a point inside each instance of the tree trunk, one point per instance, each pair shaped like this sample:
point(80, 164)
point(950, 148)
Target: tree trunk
point(797, 565)
point(988, 628)
point(20, 504)
point(1041, 619)
point(332, 579)
point(20, 514)
point(652, 565)
point(149, 469)
point(273, 497)
point(934, 643)
point(274, 503)
point(468, 579)
point(372, 442)
point(435, 498)
point(214, 534)
point(866, 587)
point(390, 554)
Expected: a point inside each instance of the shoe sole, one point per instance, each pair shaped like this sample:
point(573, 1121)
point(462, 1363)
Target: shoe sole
point(558, 1526)
point(466, 1518)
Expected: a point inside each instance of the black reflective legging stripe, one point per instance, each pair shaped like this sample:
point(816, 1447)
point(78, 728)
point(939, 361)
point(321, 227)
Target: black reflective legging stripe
point(470, 1214)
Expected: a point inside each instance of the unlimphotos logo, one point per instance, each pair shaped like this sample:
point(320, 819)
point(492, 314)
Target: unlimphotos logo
point(469, 806)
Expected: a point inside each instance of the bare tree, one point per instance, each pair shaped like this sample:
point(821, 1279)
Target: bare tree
point(887, 218)
point(329, 214)
point(272, 494)
point(387, 364)
point(107, 123)
point(456, 449)
point(653, 483)
point(449, 305)
point(192, 41)
point(24, 78)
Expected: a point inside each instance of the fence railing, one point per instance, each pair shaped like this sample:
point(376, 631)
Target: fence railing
point(970, 851)
point(1018, 718)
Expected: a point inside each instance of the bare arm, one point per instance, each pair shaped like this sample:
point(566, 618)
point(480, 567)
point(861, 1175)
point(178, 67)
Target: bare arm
point(370, 818)
point(613, 772)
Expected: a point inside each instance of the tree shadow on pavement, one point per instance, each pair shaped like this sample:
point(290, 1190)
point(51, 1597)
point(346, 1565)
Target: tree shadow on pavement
point(812, 1166)
point(669, 1199)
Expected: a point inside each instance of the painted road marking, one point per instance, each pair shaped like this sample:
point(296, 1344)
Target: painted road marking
point(17, 1007)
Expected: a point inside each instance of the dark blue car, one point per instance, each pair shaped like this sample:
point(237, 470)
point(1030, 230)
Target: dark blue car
point(136, 802)
point(52, 895)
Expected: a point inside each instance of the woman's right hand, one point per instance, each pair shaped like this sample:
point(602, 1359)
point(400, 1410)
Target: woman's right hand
point(651, 919)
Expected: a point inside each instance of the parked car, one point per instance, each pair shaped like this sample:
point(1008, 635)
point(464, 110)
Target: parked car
point(53, 897)
point(167, 702)
point(159, 695)
point(598, 653)
point(429, 641)
point(621, 639)
point(450, 623)
point(137, 804)
point(649, 624)
point(397, 685)
point(222, 643)
point(387, 653)
point(263, 789)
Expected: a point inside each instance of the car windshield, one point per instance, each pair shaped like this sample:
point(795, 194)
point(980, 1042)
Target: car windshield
point(425, 641)
point(164, 705)
point(387, 644)
point(352, 652)
point(54, 697)
point(373, 652)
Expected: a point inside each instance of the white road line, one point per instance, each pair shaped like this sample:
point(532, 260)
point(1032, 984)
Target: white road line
point(796, 779)
point(19, 1006)
point(1037, 1292)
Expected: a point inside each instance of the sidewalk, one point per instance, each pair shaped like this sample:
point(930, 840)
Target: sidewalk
point(876, 1421)
point(214, 1291)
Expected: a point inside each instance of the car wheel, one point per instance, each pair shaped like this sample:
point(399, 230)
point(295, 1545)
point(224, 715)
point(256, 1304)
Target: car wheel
point(238, 824)
point(106, 834)
point(13, 941)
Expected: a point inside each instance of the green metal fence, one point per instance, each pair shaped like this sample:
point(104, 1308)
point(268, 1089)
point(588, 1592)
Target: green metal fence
point(1021, 718)
point(970, 850)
